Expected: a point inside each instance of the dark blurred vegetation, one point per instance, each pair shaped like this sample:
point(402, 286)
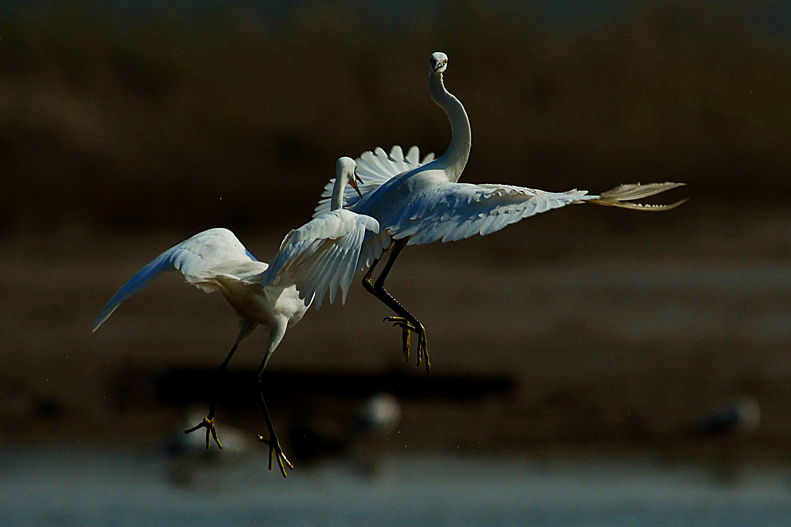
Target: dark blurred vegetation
point(234, 113)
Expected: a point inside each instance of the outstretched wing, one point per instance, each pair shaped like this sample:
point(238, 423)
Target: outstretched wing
point(194, 258)
point(453, 211)
point(374, 169)
point(320, 256)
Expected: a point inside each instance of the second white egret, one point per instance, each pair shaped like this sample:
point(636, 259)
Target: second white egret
point(417, 203)
point(319, 257)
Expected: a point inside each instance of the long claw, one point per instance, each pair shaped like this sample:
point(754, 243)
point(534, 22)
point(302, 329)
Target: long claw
point(211, 431)
point(405, 340)
point(407, 327)
point(406, 337)
point(277, 450)
point(422, 350)
point(402, 322)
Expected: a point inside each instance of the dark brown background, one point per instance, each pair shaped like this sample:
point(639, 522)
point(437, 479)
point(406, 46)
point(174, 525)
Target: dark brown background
point(123, 133)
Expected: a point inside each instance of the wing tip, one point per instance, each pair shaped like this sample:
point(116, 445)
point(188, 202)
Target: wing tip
point(102, 318)
point(623, 196)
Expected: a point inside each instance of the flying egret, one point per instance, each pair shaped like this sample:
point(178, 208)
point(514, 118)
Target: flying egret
point(422, 202)
point(319, 257)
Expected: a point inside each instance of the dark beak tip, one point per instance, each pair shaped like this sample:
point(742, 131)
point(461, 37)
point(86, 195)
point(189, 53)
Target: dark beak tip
point(357, 177)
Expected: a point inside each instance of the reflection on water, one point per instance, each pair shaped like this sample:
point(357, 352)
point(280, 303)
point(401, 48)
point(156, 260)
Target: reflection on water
point(87, 487)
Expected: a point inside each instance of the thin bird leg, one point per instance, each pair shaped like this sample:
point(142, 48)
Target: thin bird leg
point(274, 444)
point(208, 421)
point(406, 320)
point(406, 327)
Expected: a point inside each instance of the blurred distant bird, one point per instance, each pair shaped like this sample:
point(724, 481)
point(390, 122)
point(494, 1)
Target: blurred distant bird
point(739, 418)
point(380, 414)
point(359, 441)
point(423, 203)
point(320, 256)
point(725, 432)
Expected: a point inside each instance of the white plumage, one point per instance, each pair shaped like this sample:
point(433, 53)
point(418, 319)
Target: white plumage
point(422, 202)
point(319, 257)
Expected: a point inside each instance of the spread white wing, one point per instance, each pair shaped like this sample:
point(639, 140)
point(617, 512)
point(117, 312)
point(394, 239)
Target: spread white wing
point(374, 169)
point(321, 256)
point(203, 256)
point(452, 211)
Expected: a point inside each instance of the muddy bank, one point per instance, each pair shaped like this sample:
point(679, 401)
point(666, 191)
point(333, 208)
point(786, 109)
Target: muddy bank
point(591, 334)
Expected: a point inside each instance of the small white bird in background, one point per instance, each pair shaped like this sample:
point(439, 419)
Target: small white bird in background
point(379, 415)
point(360, 443)
point(319, 257)
point(417, 203)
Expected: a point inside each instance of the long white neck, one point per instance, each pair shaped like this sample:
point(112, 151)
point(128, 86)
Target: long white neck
point(455, 157)
point(336, 203)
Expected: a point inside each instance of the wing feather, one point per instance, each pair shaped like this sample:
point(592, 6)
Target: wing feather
point(374, 168)
point(196, 258)
point(453, 211)
point(321, 256)
point(413, 156)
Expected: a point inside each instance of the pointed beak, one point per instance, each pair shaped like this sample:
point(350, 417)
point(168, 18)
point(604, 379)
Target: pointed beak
point(354, 181)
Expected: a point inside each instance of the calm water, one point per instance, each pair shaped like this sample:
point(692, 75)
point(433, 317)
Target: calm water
point(88, 487)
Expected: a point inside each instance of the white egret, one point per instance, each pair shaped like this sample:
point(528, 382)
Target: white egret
point(417, 203)
point(319, 257)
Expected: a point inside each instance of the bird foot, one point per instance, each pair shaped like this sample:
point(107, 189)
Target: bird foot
point(407, 327)
point(276, 451)
point(208, 424)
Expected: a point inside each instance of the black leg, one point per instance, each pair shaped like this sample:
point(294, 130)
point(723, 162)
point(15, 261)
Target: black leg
point(405, 319)
point(208, 421)
point(275, 450)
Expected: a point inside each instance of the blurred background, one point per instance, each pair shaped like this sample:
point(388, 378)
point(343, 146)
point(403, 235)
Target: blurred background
point(637, 342)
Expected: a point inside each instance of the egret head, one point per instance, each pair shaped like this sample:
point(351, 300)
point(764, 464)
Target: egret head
point(346, 169)
point(438, 62)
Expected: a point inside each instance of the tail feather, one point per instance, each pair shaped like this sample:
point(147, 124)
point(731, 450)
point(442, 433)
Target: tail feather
point(623, 195)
